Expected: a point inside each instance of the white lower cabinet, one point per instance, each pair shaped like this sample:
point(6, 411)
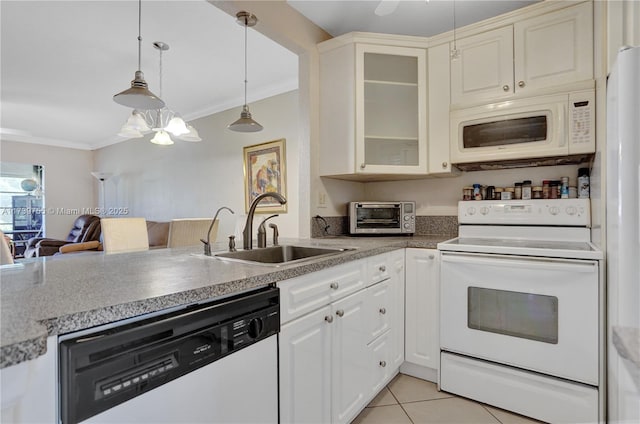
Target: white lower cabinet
point(422, 343)
point(335, 359)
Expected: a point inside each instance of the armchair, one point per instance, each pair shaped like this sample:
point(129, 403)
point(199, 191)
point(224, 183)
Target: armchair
point(85, 228)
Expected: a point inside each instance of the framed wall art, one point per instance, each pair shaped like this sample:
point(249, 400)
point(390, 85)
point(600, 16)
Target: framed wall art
point(265, 171)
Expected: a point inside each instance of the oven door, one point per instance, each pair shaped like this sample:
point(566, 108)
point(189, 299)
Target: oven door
point(539, 314)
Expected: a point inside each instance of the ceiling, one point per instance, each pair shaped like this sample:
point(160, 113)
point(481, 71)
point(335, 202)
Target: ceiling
point(62, 61)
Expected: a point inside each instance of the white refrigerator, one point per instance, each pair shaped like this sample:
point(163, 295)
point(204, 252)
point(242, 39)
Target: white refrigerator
point(623, 237)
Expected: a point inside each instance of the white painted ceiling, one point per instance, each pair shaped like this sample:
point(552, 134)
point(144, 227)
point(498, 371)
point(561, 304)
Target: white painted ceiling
point(409, 17)
point(61, 62)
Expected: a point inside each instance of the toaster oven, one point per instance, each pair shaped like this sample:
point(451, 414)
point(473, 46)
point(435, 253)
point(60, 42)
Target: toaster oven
point(382, 217)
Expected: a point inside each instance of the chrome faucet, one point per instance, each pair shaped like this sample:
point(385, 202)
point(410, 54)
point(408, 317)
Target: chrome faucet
point(247, 242)
point(207, 244)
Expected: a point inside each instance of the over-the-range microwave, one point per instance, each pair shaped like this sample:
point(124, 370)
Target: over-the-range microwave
point(382, 217)
point(536, 127)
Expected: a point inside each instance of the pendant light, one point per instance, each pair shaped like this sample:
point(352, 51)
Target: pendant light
point(245, 123)
point(139, 96)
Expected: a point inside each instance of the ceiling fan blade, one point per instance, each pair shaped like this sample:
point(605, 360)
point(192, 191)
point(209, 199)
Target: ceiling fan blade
point(386, 7)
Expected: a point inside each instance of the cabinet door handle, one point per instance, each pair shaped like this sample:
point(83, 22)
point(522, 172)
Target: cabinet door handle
point(383, 364)
point(382, 268)
point(521, 84)
point(340, 312)
point(329, 319)
point(363, 165)
point(383, 311)
point(444, 164)
point(505, 87)
point(334, 286)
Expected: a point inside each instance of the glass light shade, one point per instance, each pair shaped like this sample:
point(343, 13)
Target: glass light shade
point(128, 132)
point(162, 138)
point(137, 122)
point(139, 96)
point(176, 126)
point(192, 135)
point(245, 123)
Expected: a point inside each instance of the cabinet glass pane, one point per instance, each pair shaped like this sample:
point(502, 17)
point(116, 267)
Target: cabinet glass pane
point(392, 68)
point(380, 151)
point(526, 315)
point(390, 110)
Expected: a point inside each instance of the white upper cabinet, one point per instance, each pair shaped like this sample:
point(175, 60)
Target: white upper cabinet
point(483, 68)
point(526, 58)
point(373, 110)
point(554, 49)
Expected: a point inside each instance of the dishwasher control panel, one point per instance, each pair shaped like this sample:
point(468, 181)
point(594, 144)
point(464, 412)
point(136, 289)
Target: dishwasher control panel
point(101, 370)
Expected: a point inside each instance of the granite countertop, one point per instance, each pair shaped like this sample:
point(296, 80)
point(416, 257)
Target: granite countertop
point(61, 294)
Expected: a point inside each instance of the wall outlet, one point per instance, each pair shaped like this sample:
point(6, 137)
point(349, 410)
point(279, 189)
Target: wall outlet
point(322, 199)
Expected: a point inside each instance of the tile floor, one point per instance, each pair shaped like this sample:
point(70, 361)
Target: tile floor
point(408, 400)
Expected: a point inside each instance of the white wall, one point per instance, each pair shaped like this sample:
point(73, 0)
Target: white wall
point(191, 180)
point(68, 183)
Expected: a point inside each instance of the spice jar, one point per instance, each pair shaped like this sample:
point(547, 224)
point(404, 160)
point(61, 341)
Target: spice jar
point(467, 193)
point(564, 190)
point(517, 191)
point(573, 192)
point(546, 189)
point(554, 189)
point(508, 193)
point(490, 192)
point(536, 192)
point(526, 190)
point(497, 193)
point(583, 183)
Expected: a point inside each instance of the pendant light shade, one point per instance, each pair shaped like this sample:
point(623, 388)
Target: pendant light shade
point(162, 138)
point(139, 96)
point(245, 123)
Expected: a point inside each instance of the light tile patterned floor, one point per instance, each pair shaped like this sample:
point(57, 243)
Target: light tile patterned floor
point(413, 401)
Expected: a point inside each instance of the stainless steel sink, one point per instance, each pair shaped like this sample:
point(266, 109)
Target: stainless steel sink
point(280, 255)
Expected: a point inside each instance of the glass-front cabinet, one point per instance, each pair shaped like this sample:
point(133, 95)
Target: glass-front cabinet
point(373, 110)
point(390, 90)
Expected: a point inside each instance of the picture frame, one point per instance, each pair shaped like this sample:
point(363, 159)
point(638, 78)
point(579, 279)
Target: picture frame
point(265, 171)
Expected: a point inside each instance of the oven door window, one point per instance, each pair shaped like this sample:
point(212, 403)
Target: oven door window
point(505, 132)
point(378, 217)
point(524, 315)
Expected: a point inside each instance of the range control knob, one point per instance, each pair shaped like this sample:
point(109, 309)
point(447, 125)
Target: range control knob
point(484, 210)
point(571, 210)
point(471, 210)
point(255, 328)
point(554, 210)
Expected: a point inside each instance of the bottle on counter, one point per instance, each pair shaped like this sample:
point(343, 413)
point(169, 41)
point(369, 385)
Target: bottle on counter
point(517, 191)
point(508, 193)
point(526, 190)
point(477, 194)
point(537, 192)
point(497, 193)
point(554, 189)
point(467, 193)
point(564, 188)
point(583, 183)
point(490, 192)
point(546, 189)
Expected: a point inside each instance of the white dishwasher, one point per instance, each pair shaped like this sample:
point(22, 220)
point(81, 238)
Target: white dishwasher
point(213, 363)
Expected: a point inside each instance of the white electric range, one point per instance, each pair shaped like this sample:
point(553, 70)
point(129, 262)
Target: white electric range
point(522, 323)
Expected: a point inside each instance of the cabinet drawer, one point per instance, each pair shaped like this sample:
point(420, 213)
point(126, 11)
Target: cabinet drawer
point(381, 267)
point(380, 308)
point(312, 291)
point(380, 362)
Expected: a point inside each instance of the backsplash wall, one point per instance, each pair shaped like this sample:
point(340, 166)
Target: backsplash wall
point(425, 226)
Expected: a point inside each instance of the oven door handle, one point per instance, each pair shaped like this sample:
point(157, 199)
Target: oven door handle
point(535, 263)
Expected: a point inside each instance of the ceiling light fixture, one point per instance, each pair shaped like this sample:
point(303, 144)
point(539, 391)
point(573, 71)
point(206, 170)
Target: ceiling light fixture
point(245, 123)
point(139, 96)
point(163, 121)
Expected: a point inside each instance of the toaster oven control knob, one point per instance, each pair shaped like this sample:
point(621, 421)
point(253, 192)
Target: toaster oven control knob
point(471, 210)
point(406, 225)
point(255, 328)
point(571, 210)
point(484, 210)
point(406, 217)
point(554, 210)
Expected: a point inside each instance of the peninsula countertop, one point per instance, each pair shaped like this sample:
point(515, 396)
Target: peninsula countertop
point(56, 295)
